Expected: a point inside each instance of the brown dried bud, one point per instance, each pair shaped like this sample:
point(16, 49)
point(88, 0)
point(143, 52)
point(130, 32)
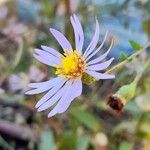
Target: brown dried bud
point(116, 103)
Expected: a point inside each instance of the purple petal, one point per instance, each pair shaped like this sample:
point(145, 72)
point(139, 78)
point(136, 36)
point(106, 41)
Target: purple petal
point(75, 91)
point(77, 36)
point(98, 49)
point(78, 25)
point(94, 41)
point(43, 53)
point(50, 93)
point(67, 87)
point(61, 92)
point(52, 51)
point(64, 43)
point(46, 58)
point(72, 92)
point(44, 61)
point(52, 100)
point(100, 58)
point(43, 86)
point(101, 66)
point(78, 31)
point(98, 75)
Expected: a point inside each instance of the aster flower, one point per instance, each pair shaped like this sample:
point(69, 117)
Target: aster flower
point(70, 67)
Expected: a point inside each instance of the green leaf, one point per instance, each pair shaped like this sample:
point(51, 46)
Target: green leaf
point(86, 118)
point(23, 65)
point(145, 128)
point(67, 141)
point(83, 142)
point(18, 54)
point(47, 140)
point(125, 146)
point(123, 57)
point(124, 126)
point(135, 45)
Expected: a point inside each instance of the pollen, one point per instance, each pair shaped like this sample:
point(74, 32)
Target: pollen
point(72, 66)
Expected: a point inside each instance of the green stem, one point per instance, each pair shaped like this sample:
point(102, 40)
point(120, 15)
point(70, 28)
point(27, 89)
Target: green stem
point(127, 60)
point(137, 78)
point(138, 127)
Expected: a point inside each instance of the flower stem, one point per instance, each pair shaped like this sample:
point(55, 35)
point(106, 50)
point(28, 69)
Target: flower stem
point(137, 78)
point(137, 128)
point(127, 60)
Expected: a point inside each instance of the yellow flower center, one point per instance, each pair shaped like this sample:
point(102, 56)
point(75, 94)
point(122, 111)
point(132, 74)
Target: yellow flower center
point(72, 66)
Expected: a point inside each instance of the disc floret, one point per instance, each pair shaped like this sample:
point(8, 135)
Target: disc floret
point(72, 66)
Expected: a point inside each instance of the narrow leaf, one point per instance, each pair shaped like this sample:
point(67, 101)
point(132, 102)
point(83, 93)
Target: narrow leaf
point(47, 140)
point(123, 57)
point(125, 146)
point(135, 45)
point(86, 118)
point(83, 142)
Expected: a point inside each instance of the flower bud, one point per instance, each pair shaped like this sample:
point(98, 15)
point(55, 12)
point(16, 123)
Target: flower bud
point(125, 93)
point(122, 96)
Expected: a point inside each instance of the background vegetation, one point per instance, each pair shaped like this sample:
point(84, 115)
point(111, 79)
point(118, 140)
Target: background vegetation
point(89, 124)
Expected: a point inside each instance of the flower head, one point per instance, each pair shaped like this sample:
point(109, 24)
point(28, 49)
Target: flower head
point(71, 67)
